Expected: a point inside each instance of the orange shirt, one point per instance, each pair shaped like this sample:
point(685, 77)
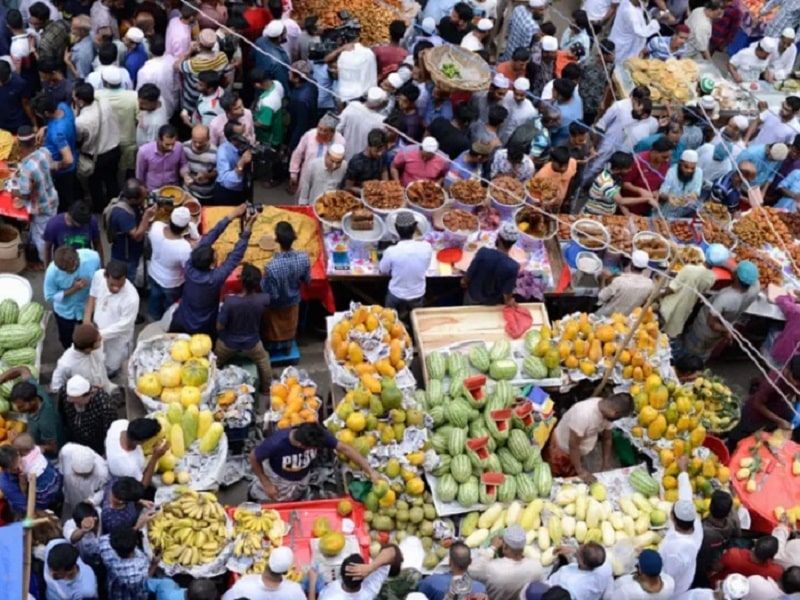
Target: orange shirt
point(505, 68)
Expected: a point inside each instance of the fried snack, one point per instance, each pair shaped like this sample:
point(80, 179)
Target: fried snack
point(769, 271)
point(306, 228)
point(750, 232)
point(362, 220)
point(589, 236)
point(621, 237)
point(426, 194)
point(792, 222)
point(714, 233)
point(714, 211)
point(374, 17)
point(534, 222)
point(668, 80)
point(458, 219)
point(682, 231)
point(507, 190)
point(332, 206)
point(661, 227)
point(468, 191)
point(565, 223)
point(690, 255)
point(544, 190)
point(383, 195)
point(656, 247)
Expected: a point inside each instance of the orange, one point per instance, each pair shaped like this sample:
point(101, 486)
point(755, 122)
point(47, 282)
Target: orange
point(284, 423)
point(279, 390)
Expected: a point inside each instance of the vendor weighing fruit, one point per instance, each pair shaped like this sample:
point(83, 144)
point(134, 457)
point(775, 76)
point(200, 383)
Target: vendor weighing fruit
point(577, 431)
point(282, 462)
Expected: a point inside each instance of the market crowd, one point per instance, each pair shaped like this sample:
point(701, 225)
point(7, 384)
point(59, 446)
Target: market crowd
point(111, 101)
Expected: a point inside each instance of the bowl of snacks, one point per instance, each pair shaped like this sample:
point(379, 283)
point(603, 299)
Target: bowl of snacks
point(688, 255)
point(535, 224)
point(715, 233)
point(507, 194)
point(543, 192)
point(423, 226)
point(456, 222)
point(383, 197)
point(468, 193)
point(714, 212)
point(363, 225)
point(590, 235)
point(332, 206)
point(655, 245)
point(425, 196)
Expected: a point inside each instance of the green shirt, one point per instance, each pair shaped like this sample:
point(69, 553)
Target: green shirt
point(268, 111)
point(45, 425)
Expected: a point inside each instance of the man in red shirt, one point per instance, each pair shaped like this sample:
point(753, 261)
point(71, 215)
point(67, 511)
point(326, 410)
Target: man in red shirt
point(257, 18)
point(420, 164)
point(389, 56)
point(646, 176)
point(758, 561)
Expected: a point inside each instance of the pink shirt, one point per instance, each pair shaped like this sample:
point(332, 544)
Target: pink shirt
point(413, 168)
point(216, 128)
point(310, 148)
point(783, 348)
point(178, 37)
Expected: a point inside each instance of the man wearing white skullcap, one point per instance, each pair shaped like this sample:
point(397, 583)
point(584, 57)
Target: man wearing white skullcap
point(420, 164)
point(627, 291)
point(492, 274)
point(85, 475)
point(475, 40)
point(314, 144)
point(137, 53)
point(322, 174)
point(749, 63)
point(272, 58)
point(520, 108)
point(425, 32)
point(631, 29)
point(358, 119)
point(544, 69)
point(781, 61)
point(767, 159)
point(272, 583)
point(680, 191)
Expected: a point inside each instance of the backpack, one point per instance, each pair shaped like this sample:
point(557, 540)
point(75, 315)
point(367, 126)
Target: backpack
point(115, 203)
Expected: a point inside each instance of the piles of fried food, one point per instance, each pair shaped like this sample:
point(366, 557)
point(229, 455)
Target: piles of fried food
point(457, 219)
point(565, 223)
point(792, 222)
point(383, 195)
point(619, 228)
point(769, 271)
point(589, 235)
point(690, 255)
point(507, 190)
point(682, 230)
point(332, 206)
point(714, 211)
point(375, 17)
point(714, 233)
point(656, 246)
point(668, 80)
point(362, 220)
point(763, 226)
point(468, 191)
point(543, 190)
point(534, 222)
point(426, 194)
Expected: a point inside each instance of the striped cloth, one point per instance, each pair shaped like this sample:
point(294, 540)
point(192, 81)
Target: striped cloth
point(601, 195)
point(191, 69)
point(200, 162)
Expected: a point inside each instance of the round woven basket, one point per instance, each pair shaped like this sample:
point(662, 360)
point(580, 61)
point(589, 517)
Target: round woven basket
point(474, 74)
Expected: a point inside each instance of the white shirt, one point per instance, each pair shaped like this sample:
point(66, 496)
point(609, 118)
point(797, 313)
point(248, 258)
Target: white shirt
point(252, 588)
point(781, 64)
point(630, 31)
point(358, 71)
point(122, 463)
point(700, 36)
point(407, 262)
point(169, 257)
point(80, 489)
point(583, 585)
point(627, 588)
point(763, 588)
point(83, 585)
point(25, 9)
point(97, 128)
point(471, 42)
point(775, 130)
point(114, 314)
point(485, 8)
point(355, 123)
point(101, 17)
point(504, 578)
point(369, 588)
point(748, 64)
point(158, 71)
point(92, 366)
point(96, 81)
point(597, 9)
point(150, 121)
point(547, 90)
point(518, 114)
point(679, 550)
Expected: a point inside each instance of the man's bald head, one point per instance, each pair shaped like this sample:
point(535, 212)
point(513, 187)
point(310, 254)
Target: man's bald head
point(200, 138)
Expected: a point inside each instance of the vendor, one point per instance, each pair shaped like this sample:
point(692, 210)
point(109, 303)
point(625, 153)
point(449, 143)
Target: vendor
point(781, 62)
point(767, 408)
point(680, 192)
point(30, 399)
point(492, 274)
point(282, 462)
point(749, 63)
point(733, 187)
point(124, 449)
point(577, 433)
point(628, 290)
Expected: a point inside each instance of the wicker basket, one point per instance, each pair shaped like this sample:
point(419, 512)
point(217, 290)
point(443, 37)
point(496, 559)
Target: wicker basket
point(474, 73)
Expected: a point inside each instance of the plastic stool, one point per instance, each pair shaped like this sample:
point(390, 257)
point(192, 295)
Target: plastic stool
point(289, 358)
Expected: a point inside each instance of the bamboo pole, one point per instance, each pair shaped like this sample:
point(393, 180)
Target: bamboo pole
point(30, 513)
point(662, 280)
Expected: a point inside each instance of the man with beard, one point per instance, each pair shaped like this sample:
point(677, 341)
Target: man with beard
point(680, 192)
point(544, 71)
point(520, 108)
point(485, 100)
point(86, 413)
point(595, 75)
point(781, 63)
point(457, 24)
point(767, 158)
point(632, 26)
point(772, 128)
point(523, 25)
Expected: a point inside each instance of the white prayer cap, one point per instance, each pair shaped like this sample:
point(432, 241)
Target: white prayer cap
point(500, 81)
point(429, 25)
point(768, 45)
point(82, 460)
point(375, 95)
point(639, 259)
point(135, 35)
point(336, 150)
point(111, 75)
point(537, 3)
point(180, 216)
point(429, 144)
point(788, 33)
point(689, 156)
point(274, 29)
point(78, 386)
point(735, 586)
point(281, 559)
point(740, 122)
point(394, 80)
point(522, 84)
point(549, 43)
point(485, 25)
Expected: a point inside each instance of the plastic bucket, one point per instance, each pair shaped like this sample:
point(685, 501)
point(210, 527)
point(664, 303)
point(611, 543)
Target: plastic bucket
point(718, 447)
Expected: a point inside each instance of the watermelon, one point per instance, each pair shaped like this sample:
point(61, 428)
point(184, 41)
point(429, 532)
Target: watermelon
point(639, 480)
point(457, 443)
point(19, 357)
point(526, 488)
point(519, 444)
point(461, 468)
point(479, 358)
point(447, 488)
point(436, 364)
point(544, 480)
point(468, 493)
point(32, 312)
point(534, 367)
point(504, 368)
point(500, 349)
point(508, 490)
point(9, 312)
point(19, 336)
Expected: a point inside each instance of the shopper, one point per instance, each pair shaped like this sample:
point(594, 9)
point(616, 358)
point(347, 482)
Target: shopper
point(272, 583)
point(589, 576)
point(648, 582)
point(124, 454)
point(170, 252)
point(437, 586)
point(492, 274)
point(86, 413)
point(34, 402)
point(85, 357)
point(502, 568)
point(628, 290)
point(76, 228)
point(85, 477)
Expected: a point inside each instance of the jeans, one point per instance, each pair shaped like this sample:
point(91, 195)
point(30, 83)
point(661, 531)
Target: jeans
point(403, 307)
point(65, 328)
point(161, 298)
point(103, 184)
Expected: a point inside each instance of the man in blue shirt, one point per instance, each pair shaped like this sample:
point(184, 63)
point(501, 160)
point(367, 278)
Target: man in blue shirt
point(15, 98)
point(233, 157)
point(66, 285)
point(127, 225)
point(137, 53)
point(435, 587)
point(197, 312)
point(492, 274)
point(65, 574)
point(767, 158)
point(270, 46)
point(302, 102)
point(61, 141)
point(728, 189)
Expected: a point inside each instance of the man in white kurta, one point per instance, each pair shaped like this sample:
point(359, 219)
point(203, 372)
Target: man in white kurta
point(85, 476)
point(679, 547)
point(781, 62)
point(85, 357)
point(631, 29)
point(589, 576)
point(113, 305)
point(357, 120)
point(520, 108)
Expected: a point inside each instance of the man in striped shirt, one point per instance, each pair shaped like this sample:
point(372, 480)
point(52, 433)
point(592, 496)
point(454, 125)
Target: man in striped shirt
point(196, 61)
point(201, 158)
point(604, 195)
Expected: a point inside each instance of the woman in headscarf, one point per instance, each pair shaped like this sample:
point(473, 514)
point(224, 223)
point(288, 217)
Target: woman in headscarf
point(313, 144)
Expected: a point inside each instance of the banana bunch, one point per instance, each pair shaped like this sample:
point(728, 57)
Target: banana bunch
point(257, 521)
point(248, 544)
point(190, 530)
